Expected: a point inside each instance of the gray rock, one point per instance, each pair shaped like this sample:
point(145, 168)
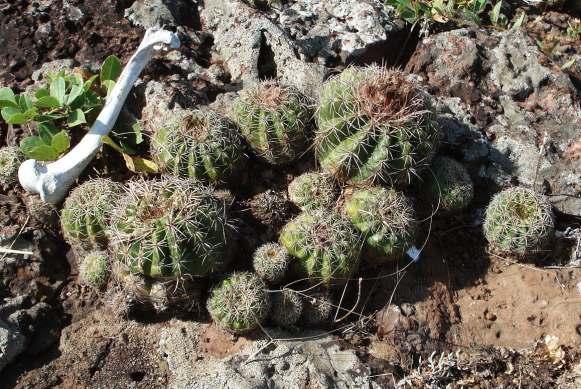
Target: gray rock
point(52, 67)
point(253, 47)
point(331, 30)
point(505, 110)
point(324, 362)
point(11, 344)
point(150, 13)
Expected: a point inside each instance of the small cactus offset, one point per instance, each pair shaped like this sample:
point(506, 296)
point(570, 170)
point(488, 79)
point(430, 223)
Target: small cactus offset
point(198, 144)
point(287, 307)
point(519, 221)
point(449, 185)
point(168, 228)
point(86, 212)
point(271, 262)
point(274, 119)
point(239, 303)
point(374, 126)
point(318, 307)
point(326, 246)
point(10, 159)
point(94, 269)
point(311, 191)
point(386, 219)
point(171, 295)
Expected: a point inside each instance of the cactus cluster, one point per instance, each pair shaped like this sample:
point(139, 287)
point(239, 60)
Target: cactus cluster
point(374, 125)
point(274, 119)
point(94, 269)
point(169, 227)
point(168, 295)
point(198, 144)
point(239, 303)
point(311, 191)
point(86, 212)
point(386, 220)
point(317, 307)
point(449, 185)
point(10, 159)
point(519, 221)
point(271, 262)
point(287, 308)
point(325, 245)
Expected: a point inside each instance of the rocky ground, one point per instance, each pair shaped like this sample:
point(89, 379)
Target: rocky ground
point(508, 103)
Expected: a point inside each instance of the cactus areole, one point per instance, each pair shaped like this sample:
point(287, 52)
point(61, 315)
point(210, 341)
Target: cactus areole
point(374, 125)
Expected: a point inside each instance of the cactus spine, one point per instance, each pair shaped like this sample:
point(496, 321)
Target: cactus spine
point(274, 119)
point(94, 269)
point(271, 262)
point(317, 307)
point(198, 144)
point(449, 185)
point(287, 307)
point(385, 217)
point(374, 125)
point(169, 227)
point(519, 221)
point(311, 191)
point(239, 303)
point(326, 246)
point(86, 212)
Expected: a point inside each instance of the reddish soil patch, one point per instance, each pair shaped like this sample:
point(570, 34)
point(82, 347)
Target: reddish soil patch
point(215, 343)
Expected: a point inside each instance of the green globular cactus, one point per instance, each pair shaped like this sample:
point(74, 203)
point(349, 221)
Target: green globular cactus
point(168, 295)
point(287, 307)
point(271, 262)
point(86, 212)
point(198, 144)
point(519, 221)
point(10, 159)
point(326, 246)
point(239, 303)
point(318, 307)
point(386, 220)
point(374, 126)
point(311, 191)
point(274, 119)
point(449, 185)
point(94, 269)
point(169, 228)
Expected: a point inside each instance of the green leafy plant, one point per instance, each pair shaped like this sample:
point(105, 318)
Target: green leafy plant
point(441, 11)
point(68, 100)
point(239, 303)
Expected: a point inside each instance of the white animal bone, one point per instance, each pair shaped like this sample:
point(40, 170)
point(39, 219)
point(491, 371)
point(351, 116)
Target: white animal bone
point(53, 180)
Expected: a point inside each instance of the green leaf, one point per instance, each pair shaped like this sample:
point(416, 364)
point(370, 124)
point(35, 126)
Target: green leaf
point(495, 13)
point(42, 92)
point(24, 102)
point(13, 115)
point(61, 142)
point(518, 23)
point(140, 165)
point(108, 84)
point(58, 89)
point(35, 148)
point(7, 98)
point(138, 133)
point(111, 69)
point(568, 64)
point(89, 83)
point(47, 102)
point(76, 118)
point(76, 91)
point(46, 131)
